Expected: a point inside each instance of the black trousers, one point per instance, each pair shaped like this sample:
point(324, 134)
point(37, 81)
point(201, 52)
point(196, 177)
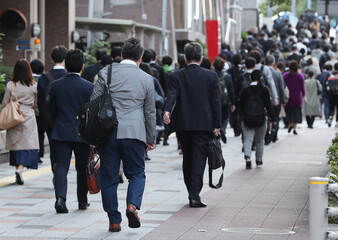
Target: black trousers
point(194, 146)
point(236, 121)
point(310, 120)
point(62, 157)
point(333, 105)
point(41, 133)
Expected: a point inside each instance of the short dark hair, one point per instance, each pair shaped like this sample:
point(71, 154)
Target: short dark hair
point(181, 61)
point(328, 67)
point(281, 65)
point(256, 75)
point(153, 52)
point(250, 62)
point(106, 60)
point(336, 66)
point(116, 52)
point(37, 66)
point(167, 60)
point(58, 53)
point(132, 49)
point(193, 52)
point(236, 59)
point(100, 53)
point(310, 74)
point(218, 64)
point(256, 54)
point(74, 60)
point(147, 56)
point(206, 63)
point(22, 72)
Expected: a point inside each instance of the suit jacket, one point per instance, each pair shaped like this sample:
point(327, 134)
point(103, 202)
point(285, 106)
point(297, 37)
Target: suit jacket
point(294, 56)
point(162, 77)
point(197, 95)
point(279, 82)
point(132, 92)
point(67, 94)
point(90, 71)
point(43, 83)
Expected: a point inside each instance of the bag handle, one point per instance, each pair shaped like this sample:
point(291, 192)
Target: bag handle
point(5, 142)
point(16, 98)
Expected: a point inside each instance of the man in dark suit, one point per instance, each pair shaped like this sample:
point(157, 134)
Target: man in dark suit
point(198, 115)
point(58, 58)
point(90, 71)
point(161, 72)
point(66, 96)
point(294, 55)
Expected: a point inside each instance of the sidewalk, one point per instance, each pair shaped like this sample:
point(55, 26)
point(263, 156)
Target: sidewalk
point(272, 200)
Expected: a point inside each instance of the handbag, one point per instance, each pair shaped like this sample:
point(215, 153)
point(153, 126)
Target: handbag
point(98, 118)
point(93, 171)
point(10, 116)
point(215, 160)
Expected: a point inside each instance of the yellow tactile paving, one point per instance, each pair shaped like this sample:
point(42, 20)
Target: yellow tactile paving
point(28, 174)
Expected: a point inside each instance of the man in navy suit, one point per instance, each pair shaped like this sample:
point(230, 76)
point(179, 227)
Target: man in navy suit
point(90, 71)
point(67, 94)
point(197, 115)
point(58, 58)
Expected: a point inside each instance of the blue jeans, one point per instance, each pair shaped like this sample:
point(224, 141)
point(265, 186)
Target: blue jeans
point(131, 151)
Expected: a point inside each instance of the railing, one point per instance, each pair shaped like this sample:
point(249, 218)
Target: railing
point(319, 210)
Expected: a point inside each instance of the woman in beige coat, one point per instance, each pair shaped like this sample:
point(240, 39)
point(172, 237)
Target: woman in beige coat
point(22, 140)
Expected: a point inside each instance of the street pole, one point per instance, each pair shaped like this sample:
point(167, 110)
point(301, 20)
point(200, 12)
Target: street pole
point(173, 30)
point(164, 27)
point(293, 7)
point(308, 4)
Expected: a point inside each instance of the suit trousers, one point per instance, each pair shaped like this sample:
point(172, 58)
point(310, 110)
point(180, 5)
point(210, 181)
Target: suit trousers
point(194, 146)
point(131, 151)
point(62, 157)
point(51, 149)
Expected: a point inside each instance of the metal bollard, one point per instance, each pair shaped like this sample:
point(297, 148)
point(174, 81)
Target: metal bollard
point(318, 219)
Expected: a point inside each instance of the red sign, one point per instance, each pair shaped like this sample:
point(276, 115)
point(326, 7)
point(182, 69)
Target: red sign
point(212, 38)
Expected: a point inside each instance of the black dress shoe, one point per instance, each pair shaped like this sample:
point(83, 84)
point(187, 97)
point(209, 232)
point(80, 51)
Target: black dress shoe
point(84, 206)
point(196, 204)
point(60, 205)
point(18, 178)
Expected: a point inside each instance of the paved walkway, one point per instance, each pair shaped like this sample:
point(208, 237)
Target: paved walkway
point(269, 203)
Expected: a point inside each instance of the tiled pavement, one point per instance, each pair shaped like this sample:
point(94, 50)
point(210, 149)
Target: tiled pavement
point(270, 203)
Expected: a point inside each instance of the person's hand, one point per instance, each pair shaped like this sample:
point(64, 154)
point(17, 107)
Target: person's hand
point(276, 102)
point(233, 108)
point(166, 117)
point(150, 146)
point(216, 131)
point(21, 113)
point(274, 123)
point(305, 99)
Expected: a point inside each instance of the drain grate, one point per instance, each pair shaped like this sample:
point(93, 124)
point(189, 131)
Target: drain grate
point(257, 231)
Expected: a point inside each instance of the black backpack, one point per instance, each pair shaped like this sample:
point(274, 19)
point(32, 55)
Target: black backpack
point(45, 114)
point(332, 84)
point(254, 112)
point(98, 118)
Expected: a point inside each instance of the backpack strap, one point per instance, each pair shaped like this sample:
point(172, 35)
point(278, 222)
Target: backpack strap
point(109, 77)
point(50, 79)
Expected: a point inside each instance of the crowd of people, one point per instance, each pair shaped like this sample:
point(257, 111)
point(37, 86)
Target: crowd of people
point(283, 74)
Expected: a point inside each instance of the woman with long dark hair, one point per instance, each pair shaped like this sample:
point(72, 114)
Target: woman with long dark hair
point(295, 83)
point(22, 140)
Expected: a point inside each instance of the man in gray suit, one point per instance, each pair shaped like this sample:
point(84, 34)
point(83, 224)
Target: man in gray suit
point(280, 86)
point(132, 92)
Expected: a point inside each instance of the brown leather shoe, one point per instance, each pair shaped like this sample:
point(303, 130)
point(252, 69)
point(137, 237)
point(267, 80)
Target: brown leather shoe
point(114, 227)
point(133, 219)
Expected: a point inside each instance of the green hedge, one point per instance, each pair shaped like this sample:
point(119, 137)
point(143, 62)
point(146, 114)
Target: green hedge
point(332, 155)
point(5, 76)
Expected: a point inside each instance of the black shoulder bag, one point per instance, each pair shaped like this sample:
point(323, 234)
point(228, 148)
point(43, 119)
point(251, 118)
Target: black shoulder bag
point(215, 160)
point(98, 117)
